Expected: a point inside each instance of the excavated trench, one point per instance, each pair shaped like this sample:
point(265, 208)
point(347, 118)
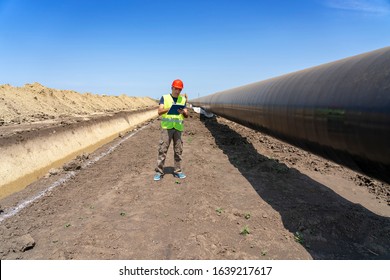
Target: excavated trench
point(29, 155)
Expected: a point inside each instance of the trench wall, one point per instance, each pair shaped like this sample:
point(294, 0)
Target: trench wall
point(24, 162)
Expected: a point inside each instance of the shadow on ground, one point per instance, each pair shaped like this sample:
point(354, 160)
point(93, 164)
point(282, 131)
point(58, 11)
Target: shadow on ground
point(326, 224)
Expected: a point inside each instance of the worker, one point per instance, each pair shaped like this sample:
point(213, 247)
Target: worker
point(172, 128)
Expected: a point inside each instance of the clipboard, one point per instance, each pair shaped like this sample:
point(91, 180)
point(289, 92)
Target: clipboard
point(174, 108)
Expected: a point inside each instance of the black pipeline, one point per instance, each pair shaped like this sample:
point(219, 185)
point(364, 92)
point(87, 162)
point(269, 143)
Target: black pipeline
point(339, 110)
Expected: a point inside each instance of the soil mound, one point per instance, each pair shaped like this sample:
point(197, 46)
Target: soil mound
point(35, 102)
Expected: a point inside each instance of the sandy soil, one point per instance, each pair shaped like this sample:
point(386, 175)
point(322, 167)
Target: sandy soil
point(247, 196)
point(35, 102)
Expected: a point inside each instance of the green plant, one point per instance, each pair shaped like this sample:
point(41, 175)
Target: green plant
point(122, 214)
point(245, 230)
point(298, 237)
point(67, 225)
point(219, 211)
point(247, 216)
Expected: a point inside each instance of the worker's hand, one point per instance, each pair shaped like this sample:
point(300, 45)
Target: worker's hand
point(183, 112)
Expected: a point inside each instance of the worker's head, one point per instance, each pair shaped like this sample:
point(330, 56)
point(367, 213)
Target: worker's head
point(178, 84)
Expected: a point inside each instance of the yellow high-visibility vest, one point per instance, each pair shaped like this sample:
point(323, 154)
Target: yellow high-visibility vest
point(172, 121)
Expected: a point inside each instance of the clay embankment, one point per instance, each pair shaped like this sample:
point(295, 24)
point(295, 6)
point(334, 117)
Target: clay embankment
point(42, 128)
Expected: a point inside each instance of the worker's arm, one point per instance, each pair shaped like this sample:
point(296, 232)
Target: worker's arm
point(161, 110)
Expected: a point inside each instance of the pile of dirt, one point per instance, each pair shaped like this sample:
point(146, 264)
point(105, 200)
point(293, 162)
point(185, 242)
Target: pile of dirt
point(35, 102)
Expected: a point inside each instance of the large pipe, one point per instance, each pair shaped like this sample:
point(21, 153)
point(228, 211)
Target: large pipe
point(339, 110)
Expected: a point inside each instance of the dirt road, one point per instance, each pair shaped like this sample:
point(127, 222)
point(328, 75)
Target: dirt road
point(246, 196)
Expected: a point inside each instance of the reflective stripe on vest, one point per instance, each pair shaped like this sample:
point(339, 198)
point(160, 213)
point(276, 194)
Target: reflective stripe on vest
point(172, 121)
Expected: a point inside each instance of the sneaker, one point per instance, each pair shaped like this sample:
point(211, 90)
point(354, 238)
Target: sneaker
point(179, 175)
point(157, 177)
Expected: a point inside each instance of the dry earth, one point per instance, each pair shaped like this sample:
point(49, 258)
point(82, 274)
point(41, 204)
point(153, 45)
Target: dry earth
point(34, 102)
point(247, 196)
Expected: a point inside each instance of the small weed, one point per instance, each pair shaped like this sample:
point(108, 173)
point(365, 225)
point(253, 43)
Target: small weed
point(177, 182)
point(67, 225)
point(264, 252)
point(245, 230)
point(298, 237)
point(247, 216)
point(122, 214)
point(219, 211)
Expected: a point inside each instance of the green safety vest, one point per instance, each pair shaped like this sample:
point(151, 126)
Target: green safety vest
point(172, 121)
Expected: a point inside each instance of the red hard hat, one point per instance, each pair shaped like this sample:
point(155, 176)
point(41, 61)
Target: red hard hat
point(177, 84)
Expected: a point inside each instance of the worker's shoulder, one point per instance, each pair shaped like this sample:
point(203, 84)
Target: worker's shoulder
point(161, 100)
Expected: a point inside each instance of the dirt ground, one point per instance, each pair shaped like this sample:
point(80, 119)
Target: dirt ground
point(246, 196)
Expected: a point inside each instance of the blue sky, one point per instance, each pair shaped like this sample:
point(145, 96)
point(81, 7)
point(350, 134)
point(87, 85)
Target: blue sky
point(138, 47)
